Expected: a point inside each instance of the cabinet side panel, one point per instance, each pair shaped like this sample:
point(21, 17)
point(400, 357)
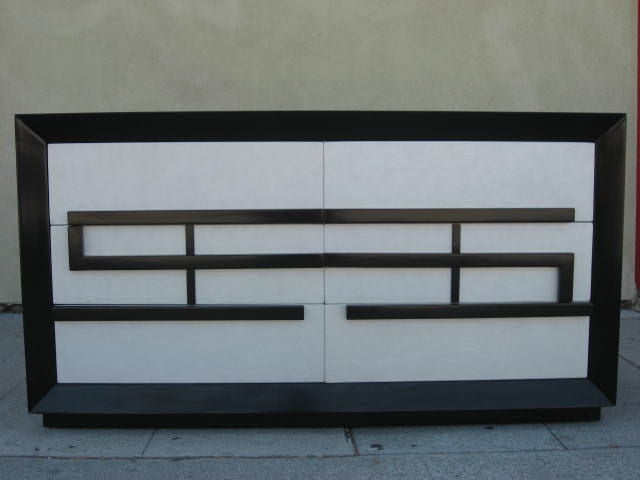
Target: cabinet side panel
point(35, 265)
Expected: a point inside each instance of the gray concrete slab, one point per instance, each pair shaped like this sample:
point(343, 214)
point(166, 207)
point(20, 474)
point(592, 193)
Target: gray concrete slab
point(628, 383)
point(277, 442)
point(454, 439)
point(10, 334)
point(12, 373)
point(606, 464)
point(619, 427)
point(12, 369)
point(628, 374)
point(23, 434)
point(630, 337)
point(335, 468)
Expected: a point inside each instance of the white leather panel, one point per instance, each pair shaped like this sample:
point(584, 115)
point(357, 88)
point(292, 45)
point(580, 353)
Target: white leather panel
point(454, 349)
point(460, 175)
point(192, 351)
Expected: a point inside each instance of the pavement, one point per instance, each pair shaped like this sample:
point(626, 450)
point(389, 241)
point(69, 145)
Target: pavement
point(608, 449)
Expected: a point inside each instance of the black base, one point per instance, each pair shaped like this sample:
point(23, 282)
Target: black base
point(321, 420)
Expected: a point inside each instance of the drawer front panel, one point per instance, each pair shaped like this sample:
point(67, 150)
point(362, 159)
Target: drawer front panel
point(511, 284)
point(524, 284)
point(460, 175)
point(257, 239)
point(133, 240)
point(183, 176)
point(114, 287)
point(255, 286)
point(192, 351)
point(387, 285)
point(388, 238)
point(454, 349)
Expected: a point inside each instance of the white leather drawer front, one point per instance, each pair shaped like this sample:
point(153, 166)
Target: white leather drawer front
point(257, 239)
point(460, 175)
point(525, 284)
point(388, 238)
point(183, 176)
point(508, 284)
point(114, 287)
point(133, 240)
point(454, 349)
point(192, 351)
point(387, 285)
point(260, 285)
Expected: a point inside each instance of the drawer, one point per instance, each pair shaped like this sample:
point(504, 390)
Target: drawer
point(479, 285)
point(119, 286)
point(387, 238)
point(256, 286)
point(460, 175)
point(387, 285)
point(192, 351)
point(183, 176)
point(454, 349)
point(257, 239)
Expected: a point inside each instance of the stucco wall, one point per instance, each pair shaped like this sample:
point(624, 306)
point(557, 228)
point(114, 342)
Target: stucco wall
point(127, 55)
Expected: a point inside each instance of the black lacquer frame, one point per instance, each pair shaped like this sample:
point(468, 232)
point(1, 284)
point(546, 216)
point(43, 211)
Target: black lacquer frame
point(317, 403)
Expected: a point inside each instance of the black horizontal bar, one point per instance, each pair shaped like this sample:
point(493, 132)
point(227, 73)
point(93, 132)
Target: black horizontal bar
point(198, 217)
point(296, 398)
point(319, 216)
point(476, 310)
point(447, 260)
point(318, 260)
point(318, 126)
point(177, 312)
point(450, 215)
point(197, 262)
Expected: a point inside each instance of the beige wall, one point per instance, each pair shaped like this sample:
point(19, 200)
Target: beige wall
point(127, 55)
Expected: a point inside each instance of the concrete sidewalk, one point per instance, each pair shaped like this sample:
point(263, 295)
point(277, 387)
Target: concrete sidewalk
point(609, 449)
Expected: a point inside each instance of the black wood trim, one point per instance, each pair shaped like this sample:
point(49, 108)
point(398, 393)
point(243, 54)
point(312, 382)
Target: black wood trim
point(319, 216)
point(354, 419)
point(447, 260)
point(191, 273)
point(176, 312)
point(606, 272)
point(35, 262)
point(302, 398)
point(198, 217)
point(455, 271)
point(468, 310)
point(182, 262)
point(562, 261)
point(451, 215)
point(318, 126)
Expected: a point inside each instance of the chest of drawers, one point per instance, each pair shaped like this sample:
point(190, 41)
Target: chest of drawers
point(319, 267)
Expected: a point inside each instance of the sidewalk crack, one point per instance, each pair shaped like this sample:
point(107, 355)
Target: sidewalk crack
point(556, 437)
point(350, 438)
point(629, 361)
point(144, 450)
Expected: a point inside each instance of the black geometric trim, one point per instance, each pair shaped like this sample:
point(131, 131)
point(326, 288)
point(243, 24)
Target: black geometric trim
point(468, 310)
point(176, 312)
